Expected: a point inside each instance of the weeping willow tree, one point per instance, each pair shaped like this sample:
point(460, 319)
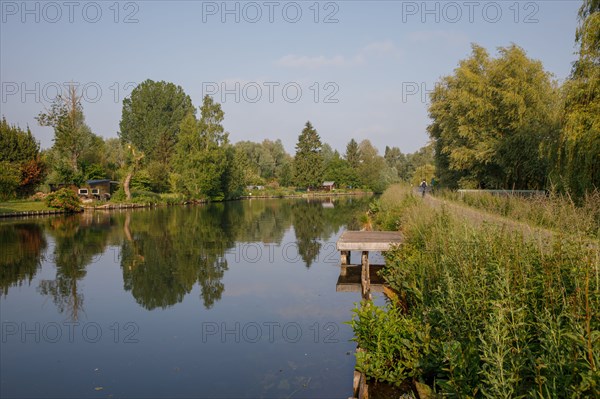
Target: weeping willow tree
point(577, 152)
point(489, 120)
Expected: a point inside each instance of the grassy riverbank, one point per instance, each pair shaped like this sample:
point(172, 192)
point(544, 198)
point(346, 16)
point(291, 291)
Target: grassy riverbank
point(23, 206)
point(147, 198)
point(481, 310)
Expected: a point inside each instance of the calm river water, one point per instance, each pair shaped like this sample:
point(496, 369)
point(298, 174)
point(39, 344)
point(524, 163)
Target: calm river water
point(228, 300)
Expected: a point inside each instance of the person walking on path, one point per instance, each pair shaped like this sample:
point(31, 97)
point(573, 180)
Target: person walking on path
point(423, 186)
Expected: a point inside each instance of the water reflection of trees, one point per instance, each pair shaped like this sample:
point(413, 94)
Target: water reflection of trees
point(309, 228)
point(168, 250)
point(314, 224)
point(79, 240)
point(260, 220)
point(267, 221)
point(165, 251)
point(23, 245)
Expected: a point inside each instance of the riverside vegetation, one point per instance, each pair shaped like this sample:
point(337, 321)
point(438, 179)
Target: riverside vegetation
point(492, 308)
point(478, 310)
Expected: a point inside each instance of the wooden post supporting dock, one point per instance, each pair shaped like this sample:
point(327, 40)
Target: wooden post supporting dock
point(345, 258)
point(365, 276)
point(365, 241)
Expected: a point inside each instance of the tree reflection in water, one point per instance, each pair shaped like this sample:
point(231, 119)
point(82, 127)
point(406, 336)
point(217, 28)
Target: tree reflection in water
point(308, 227)
point(167, 250)
point(313, 224)
point(164, 251)
point(79, 240)
point(23, 245)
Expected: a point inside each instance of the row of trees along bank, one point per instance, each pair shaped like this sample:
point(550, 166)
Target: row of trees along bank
point(164, 146)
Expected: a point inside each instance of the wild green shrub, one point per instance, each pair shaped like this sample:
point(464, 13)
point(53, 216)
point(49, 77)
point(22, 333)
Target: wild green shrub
point(172, 199)
point(386, 211)
point(393, 344)
point(144, 197)
point(119, 195)
point(65, 200)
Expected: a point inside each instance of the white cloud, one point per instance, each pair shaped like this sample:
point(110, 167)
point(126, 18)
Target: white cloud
point(374, 49)
point(440, 36)
point(303, 61)
point(382, 48)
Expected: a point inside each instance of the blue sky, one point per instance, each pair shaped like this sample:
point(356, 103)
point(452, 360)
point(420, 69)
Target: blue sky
point(355, 69)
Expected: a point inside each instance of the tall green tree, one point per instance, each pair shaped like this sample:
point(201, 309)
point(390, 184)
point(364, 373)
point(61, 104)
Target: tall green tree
point(201, 160)
point(424, 172)
point(352, 153)
point(339, 171)
point(259, 164)
point(286, 174)
point(72, 136)
point(278, 154)
point(151, 120)
point(16, 144)
point(235, 179)
point(115, 158)
point(406, 164)
point(265, 162)
point(577, 150)
point(9, 179)
point(489, 121)
point(328, 154)
point(308, 163)
point(587, 9)
point(246, 162)
point(22, 167)
point(396, 160)
point(373, 172)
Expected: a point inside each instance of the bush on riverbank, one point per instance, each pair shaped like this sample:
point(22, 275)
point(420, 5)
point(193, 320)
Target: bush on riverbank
point(64, 199)
point(505, 316)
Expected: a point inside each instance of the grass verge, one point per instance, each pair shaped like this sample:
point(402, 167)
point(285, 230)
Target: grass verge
point(555, 212)
point(23, 206)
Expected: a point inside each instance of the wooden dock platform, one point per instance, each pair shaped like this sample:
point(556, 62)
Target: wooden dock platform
point(364, 241)
point(368, 240)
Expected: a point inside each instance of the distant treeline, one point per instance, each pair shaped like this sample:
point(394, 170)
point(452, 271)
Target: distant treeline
point(165, 146)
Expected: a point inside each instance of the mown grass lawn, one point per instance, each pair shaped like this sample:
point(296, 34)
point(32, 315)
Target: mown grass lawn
point(23, 206)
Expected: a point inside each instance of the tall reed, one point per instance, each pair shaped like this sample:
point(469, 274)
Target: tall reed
point(504, 316)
